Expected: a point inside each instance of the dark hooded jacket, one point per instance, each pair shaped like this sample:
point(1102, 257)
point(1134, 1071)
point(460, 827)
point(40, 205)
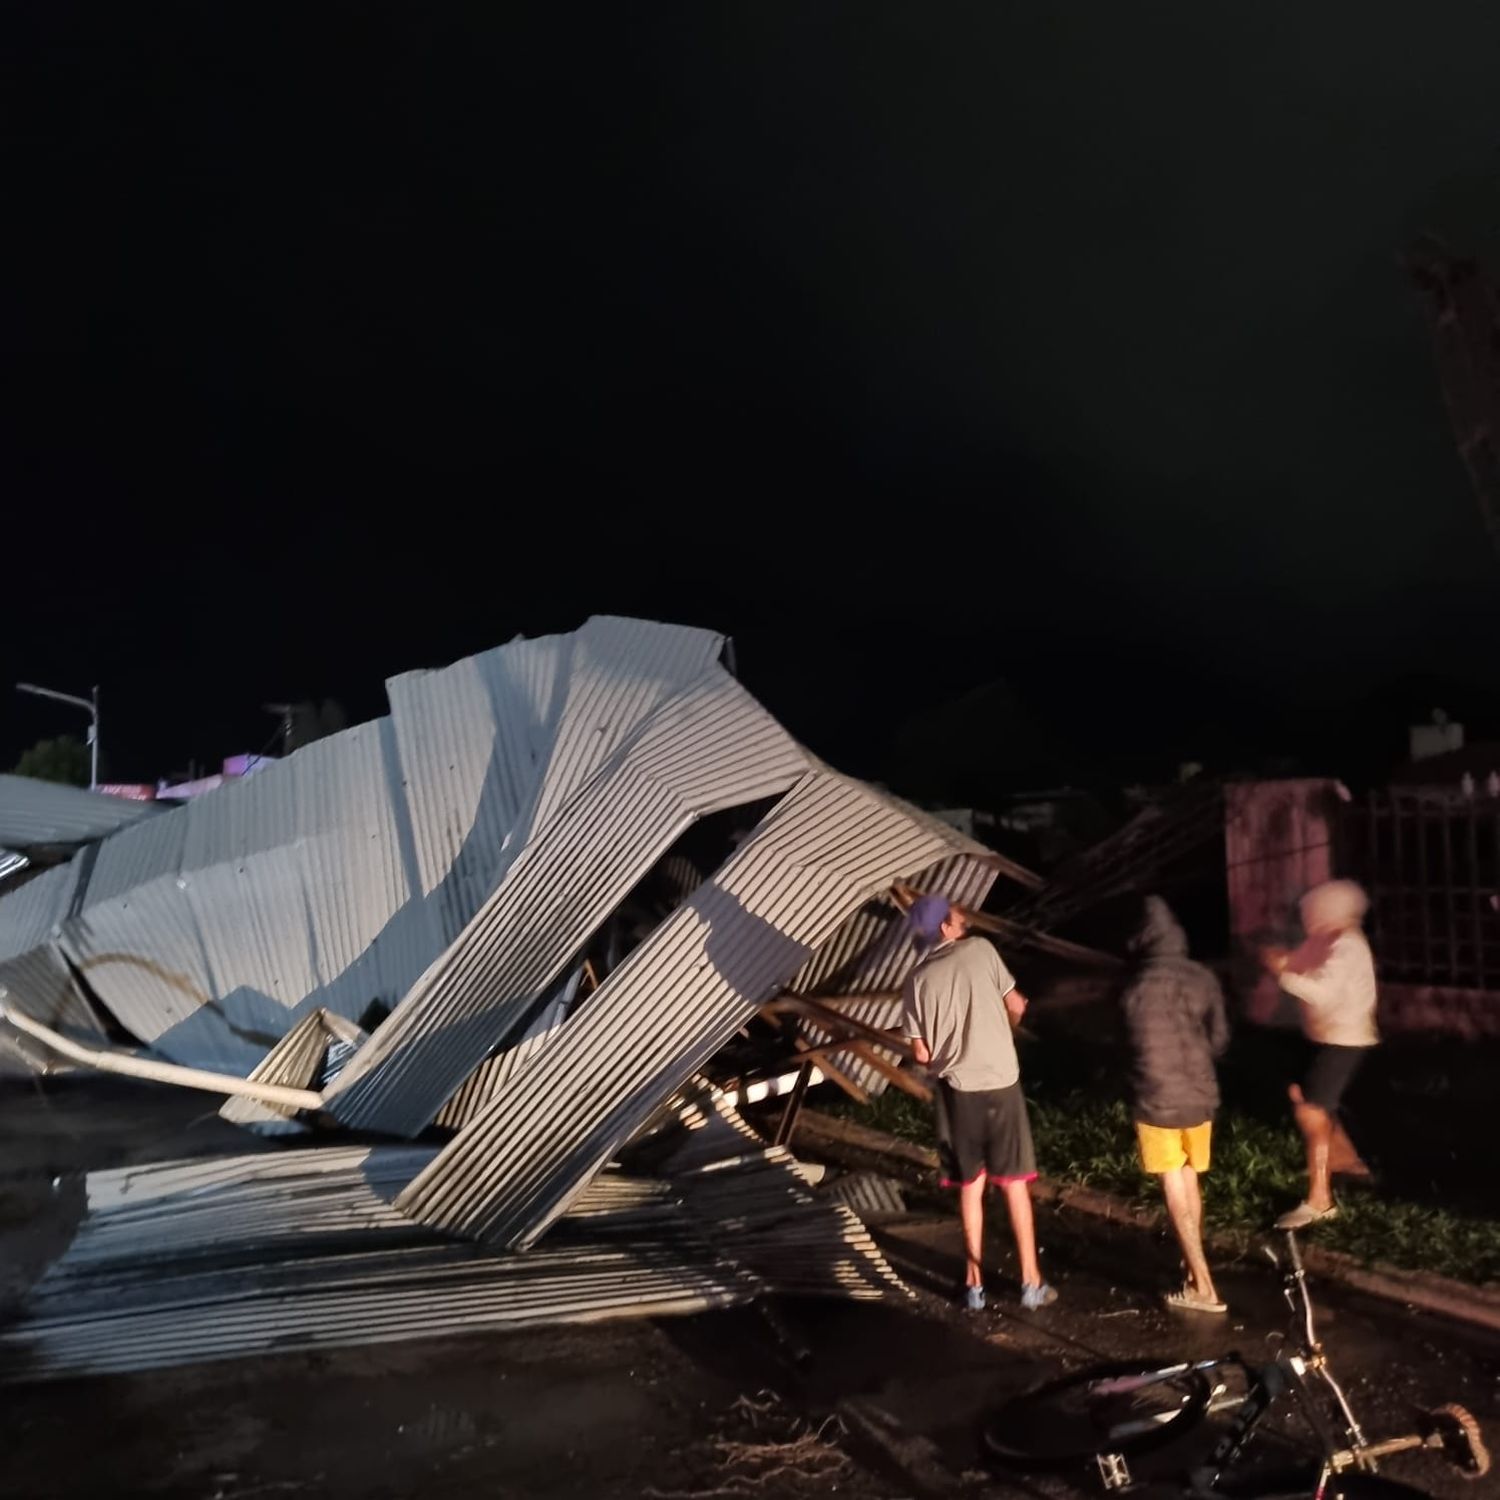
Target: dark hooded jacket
point(1174, 1013)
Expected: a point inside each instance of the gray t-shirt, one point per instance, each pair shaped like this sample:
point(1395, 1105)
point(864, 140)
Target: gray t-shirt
point(955, 1001)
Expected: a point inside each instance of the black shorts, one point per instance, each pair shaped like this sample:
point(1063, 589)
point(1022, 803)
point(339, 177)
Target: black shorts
point(984, 1131)
point(1330, 1071)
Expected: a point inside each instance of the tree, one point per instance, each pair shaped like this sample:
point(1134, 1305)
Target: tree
point(64, 759)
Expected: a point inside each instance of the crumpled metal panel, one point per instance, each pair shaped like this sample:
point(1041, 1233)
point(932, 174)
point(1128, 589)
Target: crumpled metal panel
point(494, 1073)
point(136, 856)
point(334, 878)
point(43, 814)
point(707, 747)
point(826, 848)
point(872, 954)
point(214, 1258)
point(299, 1060)
point(34, 978)
point(495, 746)
point(473, 741)
point(211, 935)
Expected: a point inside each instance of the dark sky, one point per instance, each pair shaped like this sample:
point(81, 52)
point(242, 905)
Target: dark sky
point(915, 346)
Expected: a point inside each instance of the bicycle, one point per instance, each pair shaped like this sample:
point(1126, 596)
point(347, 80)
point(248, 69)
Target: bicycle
point(1110, 1413)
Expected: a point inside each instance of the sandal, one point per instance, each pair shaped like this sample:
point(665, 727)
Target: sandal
point(1305, 1215)
point(1187, 1300)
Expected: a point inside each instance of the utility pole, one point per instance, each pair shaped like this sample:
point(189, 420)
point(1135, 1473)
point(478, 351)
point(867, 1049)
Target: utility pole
point(89, 705)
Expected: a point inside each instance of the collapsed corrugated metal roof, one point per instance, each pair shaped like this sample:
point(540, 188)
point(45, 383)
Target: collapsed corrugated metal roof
point(495, 1072)
point(872, 953)
point(33, 970)
point(460, 860)
point(334, 878)
point(827, 847)
point(707, 747)
point(45, 815)
point(180, 1262)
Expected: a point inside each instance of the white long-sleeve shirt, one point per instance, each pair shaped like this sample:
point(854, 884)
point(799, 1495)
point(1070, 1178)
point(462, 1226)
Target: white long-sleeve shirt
point(1338, 998)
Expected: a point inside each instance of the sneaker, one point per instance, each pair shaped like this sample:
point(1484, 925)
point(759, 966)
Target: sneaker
point(1040, 1295)
point(973, 1299)
point(1305, 1215)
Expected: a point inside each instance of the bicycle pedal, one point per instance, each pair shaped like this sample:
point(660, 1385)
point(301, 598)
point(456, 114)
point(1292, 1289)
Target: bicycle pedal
point(1114, 1472)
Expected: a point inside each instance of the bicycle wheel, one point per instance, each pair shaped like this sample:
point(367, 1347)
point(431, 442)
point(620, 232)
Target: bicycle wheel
point(1126, 1407)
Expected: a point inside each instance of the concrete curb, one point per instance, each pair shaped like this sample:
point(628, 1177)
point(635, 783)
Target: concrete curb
point(1422, 1289)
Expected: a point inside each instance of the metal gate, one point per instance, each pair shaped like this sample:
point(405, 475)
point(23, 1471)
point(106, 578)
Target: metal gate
point(1430, 860)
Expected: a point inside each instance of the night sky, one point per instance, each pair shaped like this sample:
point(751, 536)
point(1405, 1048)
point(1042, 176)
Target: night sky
point(1057, 356)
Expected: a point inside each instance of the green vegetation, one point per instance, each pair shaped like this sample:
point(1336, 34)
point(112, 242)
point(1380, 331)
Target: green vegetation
point(64, 759)
point(1084, 1138)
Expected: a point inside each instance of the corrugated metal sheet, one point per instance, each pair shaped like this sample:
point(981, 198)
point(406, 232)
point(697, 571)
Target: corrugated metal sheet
point(871, 954)
point(300, 1061)
point(378, 1297)
point(335, 877)
point(11, 864)
point(41, 814)
point(180, 1262)
point(473, 741)
point(707, 747)
point(825, 849)
point(495, 1072)
point(496, 745)
point(756, 1205)
point(758, 1211)
point(34, 978)
point(211, 935)
point(868, 1194)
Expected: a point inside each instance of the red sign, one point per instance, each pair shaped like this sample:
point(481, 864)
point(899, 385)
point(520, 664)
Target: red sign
point(130, 790)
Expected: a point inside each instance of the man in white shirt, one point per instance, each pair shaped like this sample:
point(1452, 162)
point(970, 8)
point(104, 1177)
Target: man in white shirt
point(960, 1004)
point(1333, 976)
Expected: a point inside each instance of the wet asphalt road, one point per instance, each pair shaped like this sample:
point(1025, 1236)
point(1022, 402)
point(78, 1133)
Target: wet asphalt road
point(635, 1408)
point(1389, 1360)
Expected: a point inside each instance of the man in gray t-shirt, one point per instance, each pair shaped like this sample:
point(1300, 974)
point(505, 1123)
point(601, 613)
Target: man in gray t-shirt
point(959, 1005)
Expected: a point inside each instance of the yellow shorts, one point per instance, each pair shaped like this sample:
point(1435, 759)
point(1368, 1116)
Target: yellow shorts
point(1164, 1149)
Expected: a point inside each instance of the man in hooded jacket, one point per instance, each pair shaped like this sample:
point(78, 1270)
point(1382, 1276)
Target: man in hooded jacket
point(1175, 1018)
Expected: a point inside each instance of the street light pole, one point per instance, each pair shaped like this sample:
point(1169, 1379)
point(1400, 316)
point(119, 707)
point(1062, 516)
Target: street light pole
point(90, 706)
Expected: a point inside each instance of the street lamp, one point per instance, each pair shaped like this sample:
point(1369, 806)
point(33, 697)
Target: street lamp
point(90, 706)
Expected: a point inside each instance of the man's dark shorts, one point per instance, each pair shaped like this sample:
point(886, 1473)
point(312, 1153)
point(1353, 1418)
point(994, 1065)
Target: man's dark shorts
point(984, 1131)
point(1330, 1071)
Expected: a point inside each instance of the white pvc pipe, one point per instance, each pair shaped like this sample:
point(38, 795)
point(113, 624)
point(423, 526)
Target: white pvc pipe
point(161, 1072)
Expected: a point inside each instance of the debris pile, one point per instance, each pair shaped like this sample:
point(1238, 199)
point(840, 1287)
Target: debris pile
point(525, 921)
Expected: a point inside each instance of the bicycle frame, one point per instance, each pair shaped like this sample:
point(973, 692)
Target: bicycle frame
point(1126, 1424)
point(1290, 1372)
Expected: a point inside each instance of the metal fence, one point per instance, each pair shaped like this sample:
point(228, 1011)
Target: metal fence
point(1430, 860)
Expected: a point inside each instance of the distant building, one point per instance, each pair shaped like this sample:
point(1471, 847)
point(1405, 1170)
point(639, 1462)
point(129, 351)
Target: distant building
point(1427, 741)
point(1473, 770)
point(234, 768)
